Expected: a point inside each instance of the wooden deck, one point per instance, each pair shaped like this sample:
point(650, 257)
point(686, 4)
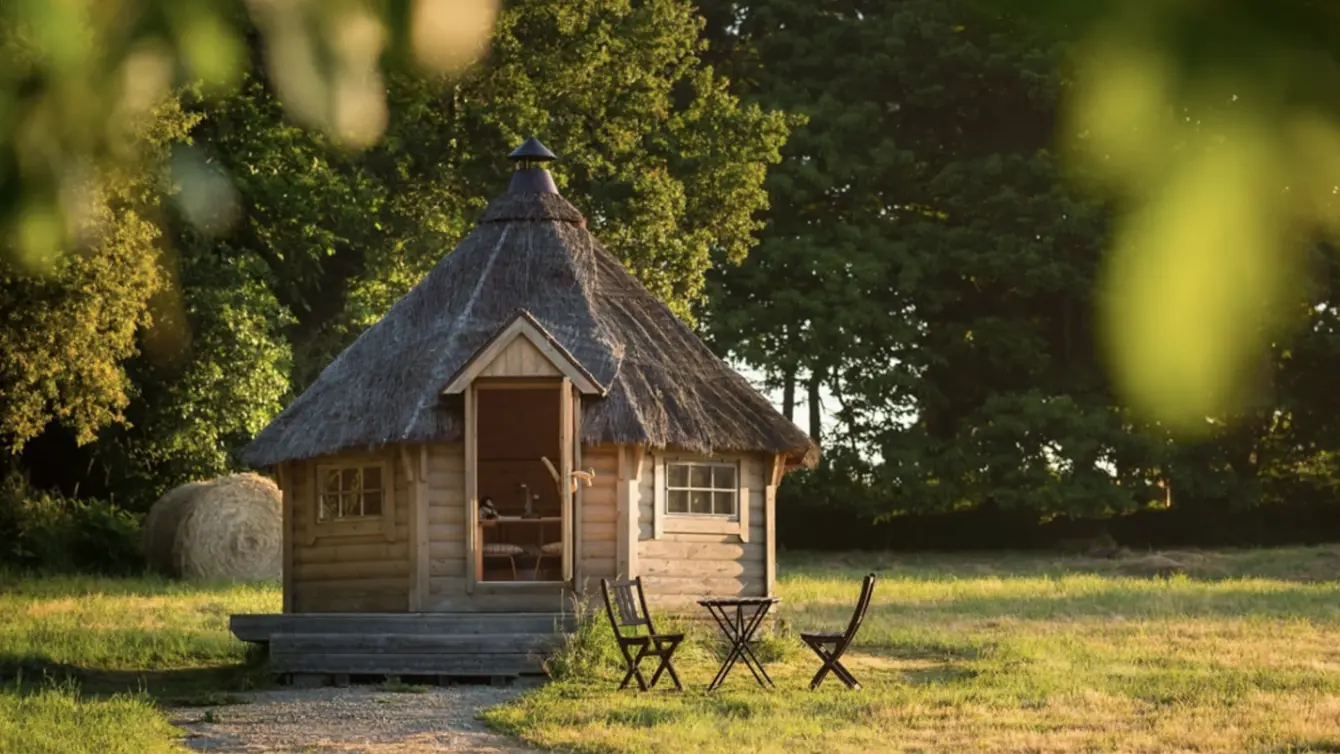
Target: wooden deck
point(441, 645)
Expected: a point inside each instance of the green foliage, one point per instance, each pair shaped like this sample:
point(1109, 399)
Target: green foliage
point(589, 650)
point(930, 263)
point(66, 334)
point(209, 380)
point(50, 533)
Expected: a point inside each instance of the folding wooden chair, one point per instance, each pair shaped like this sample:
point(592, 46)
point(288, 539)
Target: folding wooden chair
point(821, 642)
point(650, 644)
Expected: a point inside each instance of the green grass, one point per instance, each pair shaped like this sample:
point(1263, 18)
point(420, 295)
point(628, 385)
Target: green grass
point(998, 653)
point(57, 719)
point(85, 662)
point(960, 653)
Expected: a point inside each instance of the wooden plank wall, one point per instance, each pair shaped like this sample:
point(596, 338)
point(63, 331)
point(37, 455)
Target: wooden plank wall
point(681, 567)
point(446, 519)
point(520, 359)
point(363, 573)
point(600, 516)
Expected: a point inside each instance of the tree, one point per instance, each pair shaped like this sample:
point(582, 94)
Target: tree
point(65, 335)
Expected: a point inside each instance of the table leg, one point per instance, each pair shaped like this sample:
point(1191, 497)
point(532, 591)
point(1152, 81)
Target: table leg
point(739, 633)
point(754, 625)
point(723, 621)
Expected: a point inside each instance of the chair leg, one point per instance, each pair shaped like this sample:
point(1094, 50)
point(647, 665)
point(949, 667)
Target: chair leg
point(634, 672)
point(667, 666)
point(832, 662)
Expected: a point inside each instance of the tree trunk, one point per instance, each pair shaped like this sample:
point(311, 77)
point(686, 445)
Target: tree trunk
point(816, 416)
point(789, 393)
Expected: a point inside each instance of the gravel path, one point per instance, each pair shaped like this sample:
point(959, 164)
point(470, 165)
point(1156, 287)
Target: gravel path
point(353, 719)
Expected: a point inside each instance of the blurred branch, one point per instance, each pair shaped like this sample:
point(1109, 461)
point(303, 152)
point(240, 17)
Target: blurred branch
point(76, 77)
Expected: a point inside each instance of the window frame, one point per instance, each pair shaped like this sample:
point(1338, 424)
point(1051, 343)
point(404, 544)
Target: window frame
point(340, 468)
point(665, 523)
point(710, 463)
point(363, 525)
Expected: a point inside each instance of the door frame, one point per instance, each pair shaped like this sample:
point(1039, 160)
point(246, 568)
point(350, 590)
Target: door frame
point(569, 503)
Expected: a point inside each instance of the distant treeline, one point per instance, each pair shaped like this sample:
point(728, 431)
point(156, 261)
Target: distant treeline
point(805, 525)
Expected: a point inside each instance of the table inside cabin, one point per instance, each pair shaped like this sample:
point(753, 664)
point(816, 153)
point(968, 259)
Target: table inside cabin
point(486, 523)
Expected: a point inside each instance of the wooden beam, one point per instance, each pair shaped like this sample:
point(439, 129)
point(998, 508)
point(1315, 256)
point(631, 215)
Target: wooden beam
point(286, 482)
point(635, 511)
point(770, 524)
point(388, 511)
point(575, 422)
point(310, 502)
point(421, 565)
point(658, 496)
point(417, 515)
point(623, 543)
point(742, 501)
point(472, 546)
point(565, 473)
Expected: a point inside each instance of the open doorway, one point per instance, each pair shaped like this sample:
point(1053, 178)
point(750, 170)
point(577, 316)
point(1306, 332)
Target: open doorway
point(520, 536)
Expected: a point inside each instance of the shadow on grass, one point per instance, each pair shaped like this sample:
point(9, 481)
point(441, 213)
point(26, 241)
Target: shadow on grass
point(175, 687)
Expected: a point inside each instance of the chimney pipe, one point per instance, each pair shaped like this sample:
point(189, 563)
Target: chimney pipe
point(531, 177)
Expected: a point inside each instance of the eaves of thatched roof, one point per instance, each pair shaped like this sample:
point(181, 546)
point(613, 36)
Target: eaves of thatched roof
point(530, 251)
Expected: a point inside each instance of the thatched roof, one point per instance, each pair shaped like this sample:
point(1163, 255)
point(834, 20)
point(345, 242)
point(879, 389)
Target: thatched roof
point(531, 252)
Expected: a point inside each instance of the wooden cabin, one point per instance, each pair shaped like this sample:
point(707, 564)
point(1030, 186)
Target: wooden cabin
point(525, 421)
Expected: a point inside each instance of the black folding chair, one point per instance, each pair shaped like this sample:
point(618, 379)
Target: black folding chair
point(821, 642)
point(650, 644)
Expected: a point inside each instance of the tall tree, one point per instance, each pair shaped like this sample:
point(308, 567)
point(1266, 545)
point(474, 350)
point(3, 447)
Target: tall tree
point(924, 254)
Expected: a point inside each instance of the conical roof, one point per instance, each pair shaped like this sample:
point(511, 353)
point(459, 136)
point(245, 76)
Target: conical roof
point(531, 253)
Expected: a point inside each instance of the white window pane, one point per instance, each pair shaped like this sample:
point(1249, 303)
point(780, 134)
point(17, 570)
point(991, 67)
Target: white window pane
point(679, 474)
point(700, 502)
point(723, 503)
point(330, 506)
point(723, 478)
point(348, 505)
point(372, 478)
point(700, 477)
point(332, 481)
point(678, 501)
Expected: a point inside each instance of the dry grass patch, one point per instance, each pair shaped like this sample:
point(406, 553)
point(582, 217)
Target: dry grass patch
point(1005, 654)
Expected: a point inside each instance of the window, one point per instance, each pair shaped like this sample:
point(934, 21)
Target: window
point(701, 489)
point(351, 492)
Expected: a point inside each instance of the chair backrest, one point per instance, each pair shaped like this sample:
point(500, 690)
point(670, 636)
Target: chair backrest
point(623, 608)
point(862, 605)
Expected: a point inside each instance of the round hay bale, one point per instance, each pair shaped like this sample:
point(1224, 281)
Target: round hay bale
point(161, 524)
point(230, 528)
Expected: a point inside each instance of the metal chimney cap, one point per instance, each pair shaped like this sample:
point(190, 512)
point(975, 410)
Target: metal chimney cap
point(532, 151)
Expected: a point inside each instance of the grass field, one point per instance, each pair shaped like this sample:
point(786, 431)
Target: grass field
point(959, 653)
point(85, 662)
point(1004, 653)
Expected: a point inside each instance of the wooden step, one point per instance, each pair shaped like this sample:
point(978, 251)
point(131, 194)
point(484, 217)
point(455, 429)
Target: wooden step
point(413, 643)
point(495, 665)
point(410, 654)
point(260, 627)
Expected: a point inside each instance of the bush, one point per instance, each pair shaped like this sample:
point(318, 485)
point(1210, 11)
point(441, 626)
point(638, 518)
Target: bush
point(589, 651)
point(46, 531)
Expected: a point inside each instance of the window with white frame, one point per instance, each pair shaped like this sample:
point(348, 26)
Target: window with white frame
point(701, 488)
point(351, 492)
